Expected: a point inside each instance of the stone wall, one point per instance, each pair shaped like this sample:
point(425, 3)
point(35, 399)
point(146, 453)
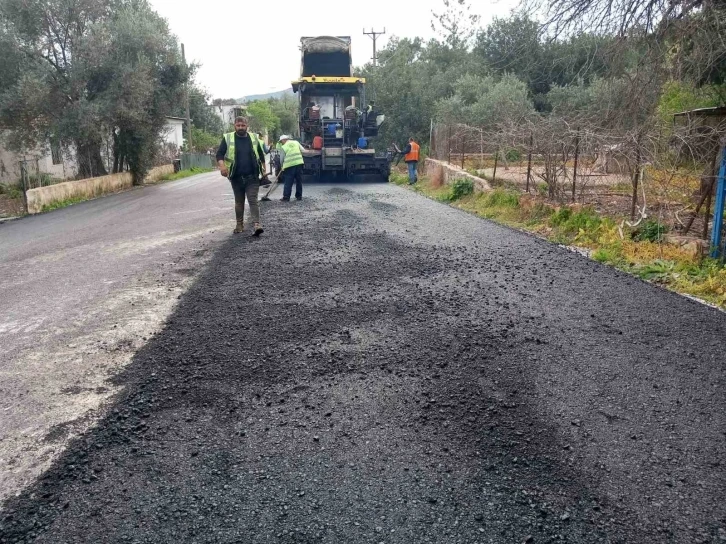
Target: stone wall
point(155, 174)
point(451, 172)
point(85, 189)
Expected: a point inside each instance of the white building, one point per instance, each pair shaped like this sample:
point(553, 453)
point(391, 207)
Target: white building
point(228, 113)
point(49, 159)
point(174, 131)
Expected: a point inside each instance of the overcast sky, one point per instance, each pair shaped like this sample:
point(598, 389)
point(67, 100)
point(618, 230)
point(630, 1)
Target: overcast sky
point(261, 54)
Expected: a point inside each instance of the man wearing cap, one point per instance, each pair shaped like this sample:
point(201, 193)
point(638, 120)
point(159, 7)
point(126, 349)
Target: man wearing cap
point(291, 159)
point(241, 159)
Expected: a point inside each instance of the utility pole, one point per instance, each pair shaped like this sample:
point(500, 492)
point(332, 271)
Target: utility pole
point(374, 36)
point(189, 120)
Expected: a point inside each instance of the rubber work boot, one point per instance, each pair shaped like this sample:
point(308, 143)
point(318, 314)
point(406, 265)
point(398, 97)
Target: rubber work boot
point(258, 229)
point(239, 228)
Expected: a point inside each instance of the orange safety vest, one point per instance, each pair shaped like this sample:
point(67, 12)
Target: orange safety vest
point(413, 154)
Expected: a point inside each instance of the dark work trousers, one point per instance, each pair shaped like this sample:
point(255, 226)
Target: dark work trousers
point(290, 175)
point(246, 186)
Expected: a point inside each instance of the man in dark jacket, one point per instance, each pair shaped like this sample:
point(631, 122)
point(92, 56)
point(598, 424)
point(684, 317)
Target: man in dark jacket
point(241, 159)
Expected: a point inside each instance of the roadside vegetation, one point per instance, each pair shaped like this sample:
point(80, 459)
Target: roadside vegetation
point(641, 251)
point(64, 203)
point(574, 120)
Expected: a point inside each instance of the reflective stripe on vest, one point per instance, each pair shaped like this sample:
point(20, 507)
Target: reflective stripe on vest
point(293, 156)
point(229, 156)
point(413, 154)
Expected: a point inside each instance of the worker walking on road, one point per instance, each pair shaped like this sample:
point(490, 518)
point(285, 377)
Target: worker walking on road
point(291, 159)
point(411, 155)
point(241, 159)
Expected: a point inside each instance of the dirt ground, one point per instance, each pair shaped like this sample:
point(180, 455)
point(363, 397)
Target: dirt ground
point(10, 207)
point(611, 195)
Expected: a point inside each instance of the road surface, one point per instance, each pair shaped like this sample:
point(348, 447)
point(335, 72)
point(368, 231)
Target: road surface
point(378, 367)
point(82, 289)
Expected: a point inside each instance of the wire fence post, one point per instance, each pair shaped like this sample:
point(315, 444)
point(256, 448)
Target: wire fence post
point(635, 180)
point(574, 171)
point(481, 147)
point(707, 213)
point(718, 212)
point(461, 143)
point(529, 159)
point(448, 158)
point(24, 183)
point(496, 159)
point(431, 139)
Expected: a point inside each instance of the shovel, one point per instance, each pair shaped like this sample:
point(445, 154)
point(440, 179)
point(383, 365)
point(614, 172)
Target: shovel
point(266, 198)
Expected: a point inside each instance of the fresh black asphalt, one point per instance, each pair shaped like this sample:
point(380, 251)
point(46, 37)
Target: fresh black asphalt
point(381, 368)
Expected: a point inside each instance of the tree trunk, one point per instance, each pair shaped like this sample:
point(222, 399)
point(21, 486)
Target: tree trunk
point(90, 163)
point(116, 154)
point(635, 180)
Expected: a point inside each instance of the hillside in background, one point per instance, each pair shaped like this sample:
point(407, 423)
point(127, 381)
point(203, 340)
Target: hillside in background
point(265, 96)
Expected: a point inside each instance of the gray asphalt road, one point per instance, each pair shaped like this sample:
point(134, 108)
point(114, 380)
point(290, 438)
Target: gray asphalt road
point(382, 368)
point(82, 288)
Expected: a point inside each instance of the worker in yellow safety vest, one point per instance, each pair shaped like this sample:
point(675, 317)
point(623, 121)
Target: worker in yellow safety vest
point(291, 158)
point(241, 159)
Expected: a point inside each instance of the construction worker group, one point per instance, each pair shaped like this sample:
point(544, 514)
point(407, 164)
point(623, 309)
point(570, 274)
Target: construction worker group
point(241, 159)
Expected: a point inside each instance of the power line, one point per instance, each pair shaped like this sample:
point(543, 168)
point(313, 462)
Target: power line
point(374, 36)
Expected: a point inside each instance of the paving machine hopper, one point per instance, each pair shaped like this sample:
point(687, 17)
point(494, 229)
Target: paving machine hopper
point(336, 123)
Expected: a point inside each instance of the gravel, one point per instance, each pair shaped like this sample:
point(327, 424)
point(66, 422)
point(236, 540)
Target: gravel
point(382, 368)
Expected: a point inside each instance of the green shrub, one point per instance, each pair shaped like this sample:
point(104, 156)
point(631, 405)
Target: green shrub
point(650, 230)
point(586, 219)
point(513, 155)
point(397, 178)
point(461, 187)
point(658, 270)
point(560, 217)
point(606, 255)
point(541, 211)
point(11, 190)
point(502, 199)
point(568, 221)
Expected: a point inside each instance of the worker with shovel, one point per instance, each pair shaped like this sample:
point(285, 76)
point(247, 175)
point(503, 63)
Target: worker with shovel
point(241, 159)
point(292, 164)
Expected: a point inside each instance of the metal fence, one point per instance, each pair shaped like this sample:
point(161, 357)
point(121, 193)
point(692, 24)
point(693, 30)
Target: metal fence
point(667, 173)
point(197, 160)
